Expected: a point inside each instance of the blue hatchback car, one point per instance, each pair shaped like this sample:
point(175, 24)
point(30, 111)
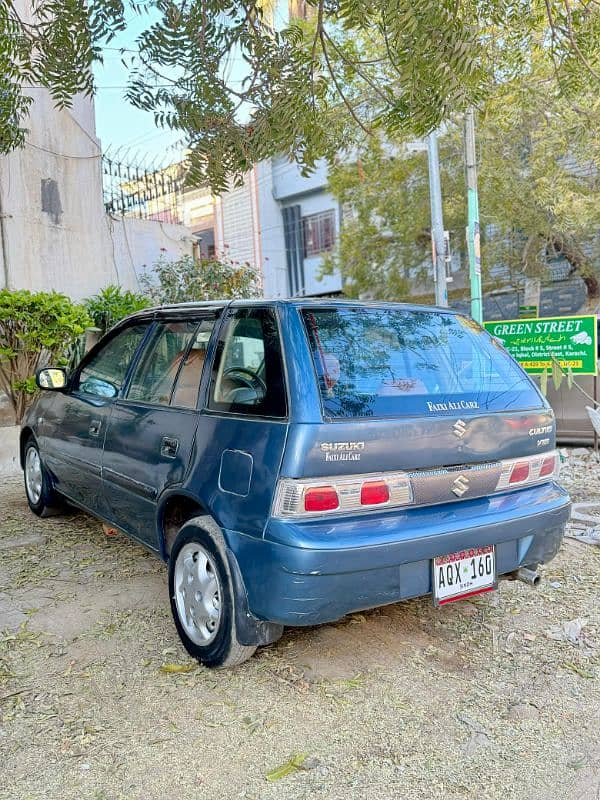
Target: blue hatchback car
point(295, 461)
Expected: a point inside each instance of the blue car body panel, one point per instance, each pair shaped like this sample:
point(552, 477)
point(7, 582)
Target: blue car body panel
point(236, 477)
point(134, 470)
point(317, 571)
point(306, 571)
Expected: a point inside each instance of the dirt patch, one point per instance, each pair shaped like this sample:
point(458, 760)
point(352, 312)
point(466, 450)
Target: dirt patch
point(472, 701)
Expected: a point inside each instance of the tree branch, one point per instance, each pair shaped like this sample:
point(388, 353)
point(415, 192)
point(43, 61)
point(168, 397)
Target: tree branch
point(574, 44)
point(347, 103)
point(352, 64)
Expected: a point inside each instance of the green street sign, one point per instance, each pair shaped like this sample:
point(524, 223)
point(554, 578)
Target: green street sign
point(535, 342)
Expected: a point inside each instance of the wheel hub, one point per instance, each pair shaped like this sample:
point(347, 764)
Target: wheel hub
point(197, 593)
point(33, 475)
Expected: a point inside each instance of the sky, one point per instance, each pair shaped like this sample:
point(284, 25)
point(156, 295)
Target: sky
point(121, 126)
point(118, 123)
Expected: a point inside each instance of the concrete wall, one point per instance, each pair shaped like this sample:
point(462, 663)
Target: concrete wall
point(134, 245)
point(72, 247)
point(288, 180)
point(51, 198)
point(9, 450)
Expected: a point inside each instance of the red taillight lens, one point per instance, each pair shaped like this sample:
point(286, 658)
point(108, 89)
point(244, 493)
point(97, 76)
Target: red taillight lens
point(321, 498)
point(373, 493)
point(548, 466)
point(520, 472)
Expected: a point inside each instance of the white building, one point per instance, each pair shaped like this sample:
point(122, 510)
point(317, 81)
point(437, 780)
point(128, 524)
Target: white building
point(278, 221)
point(300, 222)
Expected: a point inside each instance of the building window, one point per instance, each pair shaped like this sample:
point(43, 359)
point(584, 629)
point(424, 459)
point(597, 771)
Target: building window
point(319, 233)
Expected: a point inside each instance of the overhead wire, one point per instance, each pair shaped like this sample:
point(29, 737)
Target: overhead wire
point(62, 155)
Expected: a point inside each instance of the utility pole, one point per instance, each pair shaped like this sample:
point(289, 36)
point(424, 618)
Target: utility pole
point(473, 243)
point(437, 222)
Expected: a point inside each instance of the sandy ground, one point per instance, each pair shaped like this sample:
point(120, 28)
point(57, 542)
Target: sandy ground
point(474, 701)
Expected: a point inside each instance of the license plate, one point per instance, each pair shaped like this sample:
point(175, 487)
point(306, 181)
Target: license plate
point(464, 574)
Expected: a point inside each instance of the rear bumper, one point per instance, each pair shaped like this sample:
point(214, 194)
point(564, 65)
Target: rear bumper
point(313, 572)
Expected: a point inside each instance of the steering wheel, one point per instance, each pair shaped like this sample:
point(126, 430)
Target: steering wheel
point(248, 378)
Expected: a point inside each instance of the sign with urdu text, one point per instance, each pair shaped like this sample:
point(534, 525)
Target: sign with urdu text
point(535, 342)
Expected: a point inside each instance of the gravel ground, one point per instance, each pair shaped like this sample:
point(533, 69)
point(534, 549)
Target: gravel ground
point(494, 698)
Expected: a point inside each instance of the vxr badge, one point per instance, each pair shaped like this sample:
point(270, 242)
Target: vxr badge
point(460, 485)
point(459, 429)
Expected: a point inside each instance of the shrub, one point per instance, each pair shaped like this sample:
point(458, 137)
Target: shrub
point(34, 330)
point(112, 304)
point(189, 279)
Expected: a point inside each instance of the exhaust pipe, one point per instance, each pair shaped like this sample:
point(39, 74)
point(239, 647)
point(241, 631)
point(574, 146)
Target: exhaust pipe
point(529, 576)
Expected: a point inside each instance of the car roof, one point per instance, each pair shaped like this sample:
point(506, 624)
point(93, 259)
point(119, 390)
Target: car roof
point(177, 309)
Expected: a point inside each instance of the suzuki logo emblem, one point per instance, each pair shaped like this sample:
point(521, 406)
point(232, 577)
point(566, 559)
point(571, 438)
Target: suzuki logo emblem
point(460, 485)
point(459, 428)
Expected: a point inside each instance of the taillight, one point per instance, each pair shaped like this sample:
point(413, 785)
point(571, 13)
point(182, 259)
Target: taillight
point(310, 496)
point(520, 472)
point(374, 493)
point(385, 491)
point(548, 466)
point(321, 498)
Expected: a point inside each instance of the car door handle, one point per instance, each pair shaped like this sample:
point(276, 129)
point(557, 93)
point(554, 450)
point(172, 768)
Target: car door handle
point(95, 426)
point(169, 447)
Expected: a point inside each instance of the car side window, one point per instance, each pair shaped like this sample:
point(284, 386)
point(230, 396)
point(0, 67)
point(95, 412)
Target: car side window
point(185, 393)
point(247, 375)
point(158, 369)
point(104, 374)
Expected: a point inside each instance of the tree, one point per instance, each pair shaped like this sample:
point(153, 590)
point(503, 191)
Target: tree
point(539, 173)
point(35, 329)
point(354, 67)
point(189, 279)
point(384, 248)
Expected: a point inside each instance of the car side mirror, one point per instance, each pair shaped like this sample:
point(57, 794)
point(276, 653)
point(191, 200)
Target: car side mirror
point(52, 378)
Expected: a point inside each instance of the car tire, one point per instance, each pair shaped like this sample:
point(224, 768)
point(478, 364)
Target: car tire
point(41, 496)
point(203, 599)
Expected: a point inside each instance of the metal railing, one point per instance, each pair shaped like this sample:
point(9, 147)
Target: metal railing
point(134, 190)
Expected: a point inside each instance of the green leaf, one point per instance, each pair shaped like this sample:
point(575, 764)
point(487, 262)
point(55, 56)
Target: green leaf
point(112, 304)
point(292, 765)
point(308, 88)
point(177, 668)
point(188, 278)
point(584, 673)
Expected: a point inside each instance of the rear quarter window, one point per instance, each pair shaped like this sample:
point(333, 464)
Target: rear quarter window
point(247, 376)
point(381, 362)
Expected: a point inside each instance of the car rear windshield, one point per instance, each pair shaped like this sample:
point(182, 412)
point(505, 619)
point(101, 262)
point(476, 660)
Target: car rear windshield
point(382, 362)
